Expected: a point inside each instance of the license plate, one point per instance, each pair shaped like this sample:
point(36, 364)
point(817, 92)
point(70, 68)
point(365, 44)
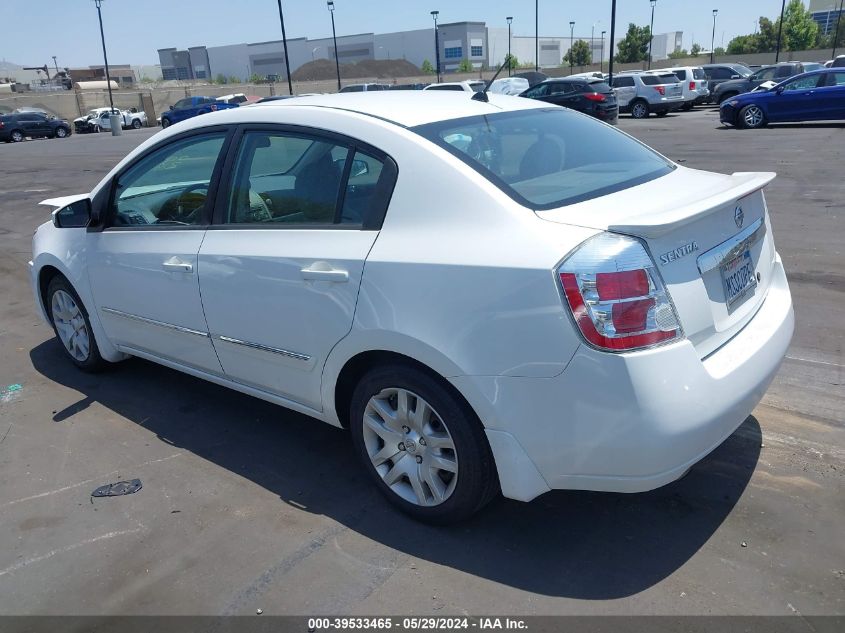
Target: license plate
point(738, 278)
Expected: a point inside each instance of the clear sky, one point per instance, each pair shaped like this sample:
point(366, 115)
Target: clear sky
point(35, 30)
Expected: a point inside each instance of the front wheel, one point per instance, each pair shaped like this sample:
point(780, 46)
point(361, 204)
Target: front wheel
point(136, 124)
point(422, 447)
point(639, 110)
point(752, 117)
point(72, 327)
point(61, 132)
point(165, 123)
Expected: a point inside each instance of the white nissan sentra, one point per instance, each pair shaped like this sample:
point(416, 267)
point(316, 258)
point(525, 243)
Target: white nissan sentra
point(490, 296)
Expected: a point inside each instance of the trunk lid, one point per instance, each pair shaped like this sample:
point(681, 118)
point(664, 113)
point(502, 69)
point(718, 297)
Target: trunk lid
point(708, 234)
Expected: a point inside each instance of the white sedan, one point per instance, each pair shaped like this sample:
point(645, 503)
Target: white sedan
point(490, 295)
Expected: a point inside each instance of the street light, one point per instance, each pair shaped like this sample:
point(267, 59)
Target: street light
point(571, 42)
point(99, 3)
point(509, 19)
point(537, 35)
point(285, 46)
point(601, 66)
point(780, 30)
point(612, 38)
point(713, 37)
point(651, 33)
point(330, 5)
point(434, 15)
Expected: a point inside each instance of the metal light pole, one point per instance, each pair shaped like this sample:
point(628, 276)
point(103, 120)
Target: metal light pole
point(836, 30)
point(285, 46)
point(713, 37)
point(330, 5)
point(56, 64)
point(434, 15)
point(612, 39)
point(780, 30)
point(509, 19)
point(98, 3)
point(537, 35)
point(571, 42)
point(601, 63)
point(651, 33)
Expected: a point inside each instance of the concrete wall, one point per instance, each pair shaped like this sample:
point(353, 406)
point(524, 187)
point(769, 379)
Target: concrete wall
point(413, 46)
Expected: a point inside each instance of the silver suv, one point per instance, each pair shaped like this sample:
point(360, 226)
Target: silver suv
point(642, 93)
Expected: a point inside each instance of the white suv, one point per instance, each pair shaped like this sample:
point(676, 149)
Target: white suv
point(488, 295)
point(643, 93)
point(694, 83)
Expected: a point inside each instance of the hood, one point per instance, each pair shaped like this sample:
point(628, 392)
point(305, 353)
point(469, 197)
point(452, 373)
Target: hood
point(733, 83)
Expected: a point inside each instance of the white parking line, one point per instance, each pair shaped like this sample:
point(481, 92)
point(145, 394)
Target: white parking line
point(816, 362)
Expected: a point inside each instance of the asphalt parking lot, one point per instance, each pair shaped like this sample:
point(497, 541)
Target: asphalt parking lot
point(245, 505)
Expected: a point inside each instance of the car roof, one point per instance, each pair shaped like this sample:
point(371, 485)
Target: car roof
point(406, 107)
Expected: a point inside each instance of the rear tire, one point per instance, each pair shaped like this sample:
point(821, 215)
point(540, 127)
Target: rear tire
point(421, 445)
point(136, 124)
point(687, 107)
point(639, 110)
point(70, 322)
point(16, 136)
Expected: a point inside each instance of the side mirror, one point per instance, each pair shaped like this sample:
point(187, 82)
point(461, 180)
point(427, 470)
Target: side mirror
point(779, 90)
point(359, 168)
point(75, 215)
point(171, 107)
point(736, 76)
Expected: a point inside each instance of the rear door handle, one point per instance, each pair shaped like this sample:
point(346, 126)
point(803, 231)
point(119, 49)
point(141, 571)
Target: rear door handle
point(322, 271)
point(174, 264)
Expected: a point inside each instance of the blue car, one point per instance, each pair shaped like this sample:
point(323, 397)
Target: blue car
point(191, 107)
point(814, 96)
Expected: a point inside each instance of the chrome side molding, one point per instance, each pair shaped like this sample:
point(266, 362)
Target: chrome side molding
point(265, 348)
point(169, 326)
point(731, 247)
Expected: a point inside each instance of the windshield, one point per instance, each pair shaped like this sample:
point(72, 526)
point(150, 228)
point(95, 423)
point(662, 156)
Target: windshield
point(550, 157)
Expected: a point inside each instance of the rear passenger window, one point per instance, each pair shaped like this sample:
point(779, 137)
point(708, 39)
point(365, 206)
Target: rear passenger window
point(362, 189)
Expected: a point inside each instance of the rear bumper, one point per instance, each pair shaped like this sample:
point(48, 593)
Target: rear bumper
point(630, 422)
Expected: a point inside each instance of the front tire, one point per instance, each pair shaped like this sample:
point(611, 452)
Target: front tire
point(61, 132)
point(165, 123)
point(752, 117)
point(639, 110)
point(71, 325)
point(136, 124)
point(421, 445)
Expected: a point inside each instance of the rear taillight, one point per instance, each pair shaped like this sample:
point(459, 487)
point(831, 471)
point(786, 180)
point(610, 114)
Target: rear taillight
point(692, 85)
point(660, 89)
point(595, 96)
point(2, 125)
point(616, 295)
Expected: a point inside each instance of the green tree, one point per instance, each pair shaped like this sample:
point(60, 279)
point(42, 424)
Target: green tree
point(579, 54)
point(465, 66)
point(427, 68)
point(743, 44)
point(767, 38)
point(681, 53)
point(719, 51)
point(255, 78)
point(634, 47)
point(695, 50)
point(799, 28)
point(220, 79)
point(514, 62)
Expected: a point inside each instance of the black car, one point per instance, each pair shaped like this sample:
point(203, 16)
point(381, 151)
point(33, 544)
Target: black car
point(16, 127)
point(585, 94)
point(777, 72)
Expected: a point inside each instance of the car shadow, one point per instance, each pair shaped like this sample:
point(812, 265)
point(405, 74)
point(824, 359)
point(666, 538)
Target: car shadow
point(584, 545)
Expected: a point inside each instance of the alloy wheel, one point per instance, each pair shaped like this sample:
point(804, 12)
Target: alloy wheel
point(753, 116)
point(61, 133)
point(17, 137)
point(639, 111)
point(410, 447)
point(70, 325)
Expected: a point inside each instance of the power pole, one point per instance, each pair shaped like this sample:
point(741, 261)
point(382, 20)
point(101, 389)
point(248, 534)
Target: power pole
point(285, 46)
point(780, 30)
point(612, 39)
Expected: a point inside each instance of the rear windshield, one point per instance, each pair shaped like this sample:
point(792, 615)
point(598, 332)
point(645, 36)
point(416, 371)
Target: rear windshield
point(698, 73)
point(598, 86)
point(548, 158)
point(653, 80)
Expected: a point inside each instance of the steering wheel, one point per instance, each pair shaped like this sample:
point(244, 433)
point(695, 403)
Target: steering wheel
point(186, 207)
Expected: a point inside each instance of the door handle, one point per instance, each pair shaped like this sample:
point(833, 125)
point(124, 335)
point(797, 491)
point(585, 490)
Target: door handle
point(174, 264)
point(322, 271)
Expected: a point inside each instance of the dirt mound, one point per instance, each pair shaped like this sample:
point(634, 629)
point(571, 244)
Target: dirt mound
point(321, 69)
